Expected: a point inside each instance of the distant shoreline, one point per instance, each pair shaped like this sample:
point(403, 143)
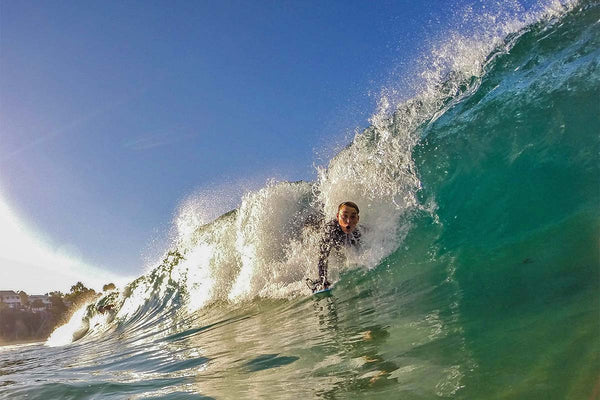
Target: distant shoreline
point(32, 318)
point(18, 342)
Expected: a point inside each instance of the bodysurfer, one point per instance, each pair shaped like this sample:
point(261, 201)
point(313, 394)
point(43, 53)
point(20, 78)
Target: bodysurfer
point(339, 232)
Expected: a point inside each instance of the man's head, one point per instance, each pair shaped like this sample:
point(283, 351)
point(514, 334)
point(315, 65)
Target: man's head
point(347, 216)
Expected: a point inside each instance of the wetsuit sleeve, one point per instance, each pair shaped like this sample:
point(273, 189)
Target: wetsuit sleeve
point(324, 250)
point(357, 236)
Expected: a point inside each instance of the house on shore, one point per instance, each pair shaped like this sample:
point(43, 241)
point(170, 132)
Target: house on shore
point(10, 298)
point(34, 302)
point(39, 302)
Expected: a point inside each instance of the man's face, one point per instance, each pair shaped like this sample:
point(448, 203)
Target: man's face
point(347, 218)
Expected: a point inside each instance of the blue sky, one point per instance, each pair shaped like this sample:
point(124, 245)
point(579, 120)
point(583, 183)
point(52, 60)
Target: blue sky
point(112, 113)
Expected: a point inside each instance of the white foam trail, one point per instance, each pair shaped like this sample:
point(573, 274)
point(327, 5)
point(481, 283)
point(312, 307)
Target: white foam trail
point(266, 222)
point(65, 334)
point(199, 281)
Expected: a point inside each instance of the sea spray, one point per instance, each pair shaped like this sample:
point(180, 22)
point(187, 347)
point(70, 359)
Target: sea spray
point(72, 330)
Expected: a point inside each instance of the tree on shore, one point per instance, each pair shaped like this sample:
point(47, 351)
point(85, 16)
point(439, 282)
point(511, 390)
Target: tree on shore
point(79, 294)
point(37, 303)
point(108, 286)
point(59, 308)
point(23, 297)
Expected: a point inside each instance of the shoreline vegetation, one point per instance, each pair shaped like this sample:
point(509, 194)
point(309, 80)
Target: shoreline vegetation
point(32, 318)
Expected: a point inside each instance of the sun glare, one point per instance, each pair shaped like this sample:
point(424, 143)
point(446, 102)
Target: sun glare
point(28, 263)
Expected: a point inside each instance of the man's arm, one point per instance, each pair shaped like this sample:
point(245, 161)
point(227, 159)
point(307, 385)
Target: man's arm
point(324, 251)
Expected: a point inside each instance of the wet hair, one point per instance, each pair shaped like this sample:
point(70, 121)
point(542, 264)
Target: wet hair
point(349, 204)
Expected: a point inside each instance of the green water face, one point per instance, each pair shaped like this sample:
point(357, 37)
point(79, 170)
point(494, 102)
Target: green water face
point(516, 184)
point(529, 314)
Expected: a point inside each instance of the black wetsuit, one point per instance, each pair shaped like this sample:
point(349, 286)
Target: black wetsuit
point(334, 237)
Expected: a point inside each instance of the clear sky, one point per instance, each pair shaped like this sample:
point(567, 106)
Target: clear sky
point(112, 113)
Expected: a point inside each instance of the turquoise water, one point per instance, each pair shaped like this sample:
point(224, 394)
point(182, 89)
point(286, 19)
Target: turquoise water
point(479, 277)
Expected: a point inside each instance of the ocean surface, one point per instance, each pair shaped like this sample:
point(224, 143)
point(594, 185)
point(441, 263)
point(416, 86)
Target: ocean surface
point(478, 277)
